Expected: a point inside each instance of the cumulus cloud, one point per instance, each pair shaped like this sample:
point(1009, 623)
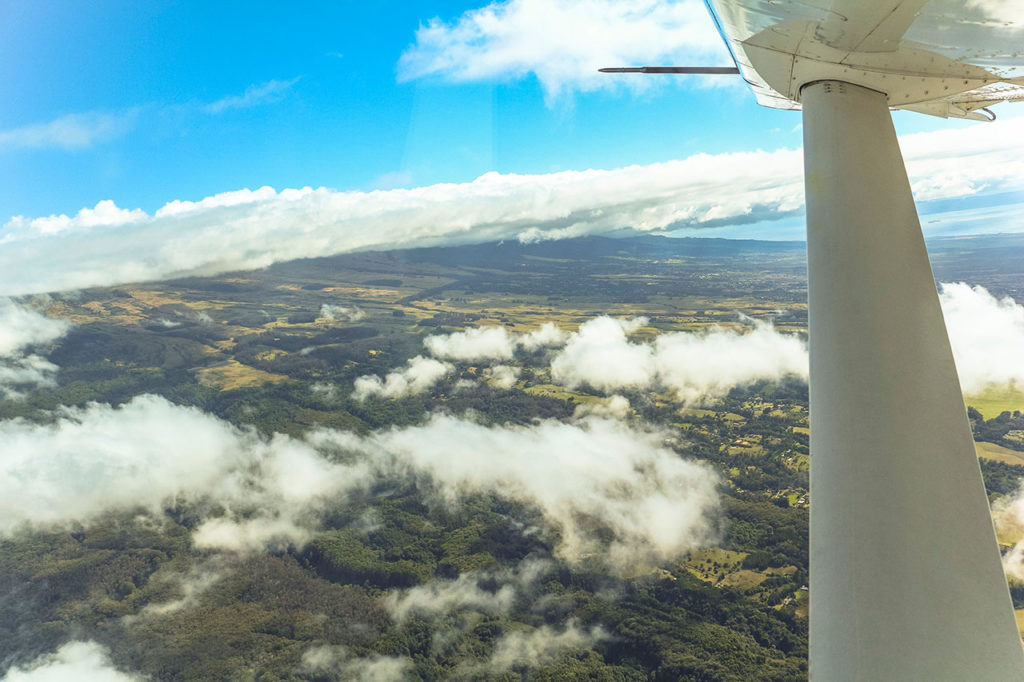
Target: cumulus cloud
point(515, 38)
point(546, 336)
point(492, 343)
point(249, 229)
point(475, 343)
point(987, 336)
point(254, 95)
point(694, 366)
point(70, 132)
point(419, 375)
point(22, 329)
point(81, 661)
point(105, 213)
point(600, 355)
point(342, 313)
point(611, 492)
point(149, 453)
point(338, 662)
point(99, 457)
point(708, 364)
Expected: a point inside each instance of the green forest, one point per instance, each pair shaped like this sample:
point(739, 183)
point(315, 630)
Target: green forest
point(397, 577)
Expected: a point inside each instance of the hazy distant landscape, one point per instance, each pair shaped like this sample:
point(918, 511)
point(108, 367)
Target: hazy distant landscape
point(578, 459)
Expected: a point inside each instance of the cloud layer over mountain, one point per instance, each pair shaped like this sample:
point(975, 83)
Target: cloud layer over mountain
point(108, 245)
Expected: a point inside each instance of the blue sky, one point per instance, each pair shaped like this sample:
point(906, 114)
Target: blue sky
point(143, 104)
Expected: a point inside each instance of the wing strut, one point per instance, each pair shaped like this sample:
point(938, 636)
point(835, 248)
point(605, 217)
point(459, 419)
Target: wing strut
point(906, 578)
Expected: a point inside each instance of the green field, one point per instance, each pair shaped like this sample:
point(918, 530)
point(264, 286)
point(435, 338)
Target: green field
point(996, 401)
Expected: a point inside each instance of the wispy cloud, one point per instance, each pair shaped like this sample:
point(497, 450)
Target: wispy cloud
point(337, 662)
point(603, 488)
point(254, 95)
point(614, 493)
point(85, 130)
point(256, 228)
point(70, 132)
point(86, 661)
point(22, 330)
point(543, 645)
point(515, 38)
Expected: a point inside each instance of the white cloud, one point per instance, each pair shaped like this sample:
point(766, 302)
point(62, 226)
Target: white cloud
point(708, 364)
point(105, 213)
point(615, 407)
point(987, 336)
point(694, 366)
point(502, 376)
point(255, 228)
point(1008, 512)
point(600, 355)
point(959, 162)
point(543, 645)
point(564, 43)
point(545, 336)
point(79, 661)
point(192, 585)
point(595, 474)
point(22, 329)
point(324, 391)
point(100, 457)
point(337, 661)
point(150, 452)
point(254, 95)
point(475, 343)
point(606, 489)
point(340, 312)
point(492, 343)
point(419, 375)
point(73, 131)
point(443, 597)
point(250, 534)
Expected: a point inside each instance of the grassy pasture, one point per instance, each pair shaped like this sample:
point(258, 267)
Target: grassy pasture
point(998, 453)
point(233, 374)
point(996, 401)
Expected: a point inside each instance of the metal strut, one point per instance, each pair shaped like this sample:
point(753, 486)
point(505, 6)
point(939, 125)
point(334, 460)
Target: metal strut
point(906, 578)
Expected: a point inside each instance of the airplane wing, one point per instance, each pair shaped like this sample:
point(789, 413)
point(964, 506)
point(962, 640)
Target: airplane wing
point(941, 57)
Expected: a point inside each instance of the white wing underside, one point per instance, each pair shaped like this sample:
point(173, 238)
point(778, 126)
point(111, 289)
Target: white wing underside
point(946, 58)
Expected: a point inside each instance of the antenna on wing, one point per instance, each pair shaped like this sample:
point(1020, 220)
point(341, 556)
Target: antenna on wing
point(699, 70)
